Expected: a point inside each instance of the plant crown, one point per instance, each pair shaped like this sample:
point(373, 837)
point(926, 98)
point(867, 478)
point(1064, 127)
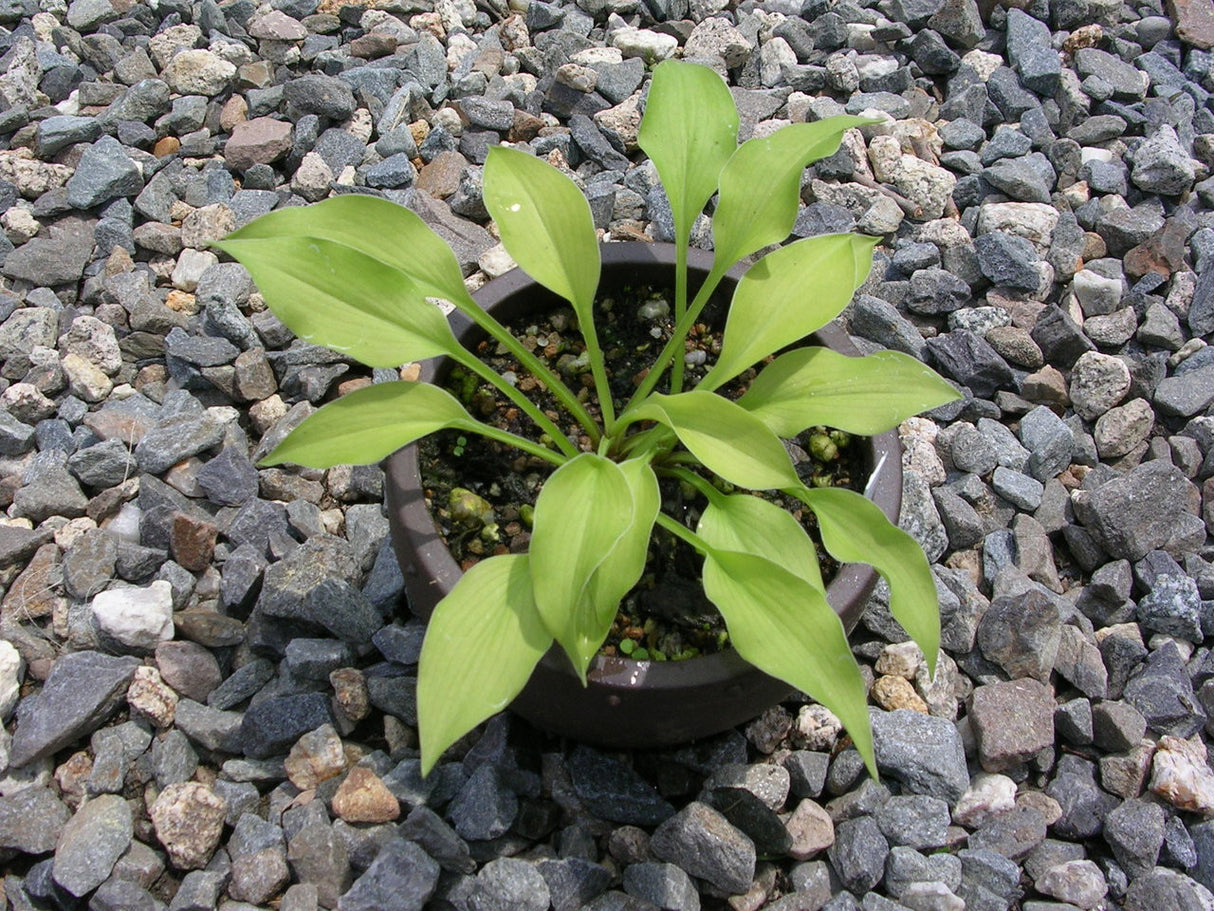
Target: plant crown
point(356, 273)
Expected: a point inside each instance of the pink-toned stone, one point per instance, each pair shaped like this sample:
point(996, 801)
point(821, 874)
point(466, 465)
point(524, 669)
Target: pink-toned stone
point(812, 830)
point(317, 756)
point(262, 140)
point(1181, 775)
point(1194, 21)
point(188, 819)
point(277, 26)
point(149, 696)
point(363, 797)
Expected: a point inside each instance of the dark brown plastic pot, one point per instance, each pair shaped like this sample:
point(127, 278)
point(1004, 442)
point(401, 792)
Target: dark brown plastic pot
point(627, 703)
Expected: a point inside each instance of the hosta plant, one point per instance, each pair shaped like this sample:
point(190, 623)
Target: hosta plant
point(360, 275)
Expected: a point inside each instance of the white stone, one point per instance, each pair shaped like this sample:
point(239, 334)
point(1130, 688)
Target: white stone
point(19, 224)
point(816, 728)
point(1092, 153)
point(1034, 221)
point(577, 77)
point(85, 379)
point(899, 658)
point(773, 57)
point(989, 793)
point(716, 37)
point(198, 72)
point(919, 453)
point(1181, 777)
point(592, 55)
point(624, 120)
point(190, 266)
point(138, 618)
point(72, 531)
point(984, 64)
point(882, 217)
point(312, 178)
point(1079, 882)
point(125, 525)
point(1097, 295)
point(496, 261)
point(1098, 382)
point(163, 45)
point(12, 667)
point(927, 185)
point(643, 43)
point(930, 896)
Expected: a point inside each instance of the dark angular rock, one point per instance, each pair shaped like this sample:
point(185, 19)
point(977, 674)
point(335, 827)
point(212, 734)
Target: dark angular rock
point(859, 853)
point(272, 726)
point(614, 791)
point(752, 817)
point(1151, 506)
point(702, 842)
point(82, 691)
point(922, 752)
point(401, 878)
point(1013, 833)
point(1084, 804)
point(969, 359)
point(1163, 692)
point(485, 807)
point(31, 820)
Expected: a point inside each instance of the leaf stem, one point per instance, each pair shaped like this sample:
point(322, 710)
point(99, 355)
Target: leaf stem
point(677, 340)
point(518, 442)
point(680, 308)
point(487, 373)
point(683, 533)
point(534, 366)
point(601, 387)
point(703, 485)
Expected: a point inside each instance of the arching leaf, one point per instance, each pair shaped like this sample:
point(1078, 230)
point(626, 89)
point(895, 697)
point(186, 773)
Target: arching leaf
point(752, 525)
point(384, 231)
point(783, 625)
point(582, 512)
point(333, 295)
point(788, 294)
point(725, 437)
point(545, 224)
point(761, 185)
point(370, 424)
point(863, 395)
point(482, 643)
point(854, 530)
point(689, 130)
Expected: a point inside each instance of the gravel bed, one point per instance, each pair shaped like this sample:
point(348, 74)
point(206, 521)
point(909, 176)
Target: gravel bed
point(207, 669)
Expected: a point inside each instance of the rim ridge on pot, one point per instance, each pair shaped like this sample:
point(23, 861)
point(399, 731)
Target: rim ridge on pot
point(627, 703)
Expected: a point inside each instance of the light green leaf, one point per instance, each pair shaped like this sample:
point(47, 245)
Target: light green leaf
point(332, 295)
point(689, 130)
point(863, 395)
point(545, 224)
point(761, 185)
point(622, 567)
point(783, 625)
point(583, 510)
point(369, 424)
point(788, 294)
point(752, 525)
point(482, 643)
point(725, 437)
point(854, 530)
point(391, 234)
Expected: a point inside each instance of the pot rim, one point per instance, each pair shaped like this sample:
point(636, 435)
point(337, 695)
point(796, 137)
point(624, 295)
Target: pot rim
point(415, 533)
